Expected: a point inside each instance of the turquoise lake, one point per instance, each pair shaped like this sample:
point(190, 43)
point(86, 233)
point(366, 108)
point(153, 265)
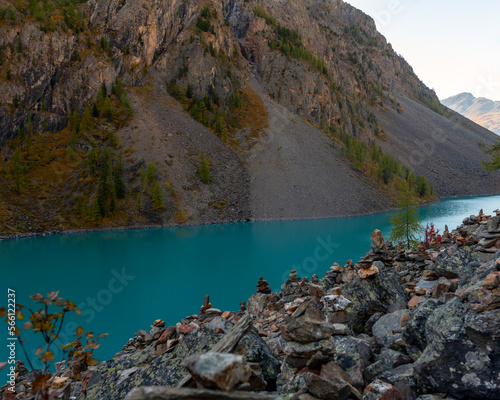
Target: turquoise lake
point(124, 280)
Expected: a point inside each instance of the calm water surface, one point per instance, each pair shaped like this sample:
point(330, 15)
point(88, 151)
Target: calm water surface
point(123, 281)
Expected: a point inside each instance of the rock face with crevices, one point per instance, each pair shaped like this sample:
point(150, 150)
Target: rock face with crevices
point(336, 78)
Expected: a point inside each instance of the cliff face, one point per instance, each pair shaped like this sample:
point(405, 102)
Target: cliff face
point(294, 101)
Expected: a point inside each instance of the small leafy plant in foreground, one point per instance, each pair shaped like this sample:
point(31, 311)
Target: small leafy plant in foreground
point(48, 322)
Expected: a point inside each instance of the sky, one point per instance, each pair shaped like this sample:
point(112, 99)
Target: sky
point(452, 45)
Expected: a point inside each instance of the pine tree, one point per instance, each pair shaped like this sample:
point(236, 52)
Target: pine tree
point(157, 197)
point(405, 225)
point(87, 123)
point(151, 173)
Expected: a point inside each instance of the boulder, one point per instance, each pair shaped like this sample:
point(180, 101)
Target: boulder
point(333, 373)
point(257, 303)
point(324, 389)
point(371, 321)
point(313, 385)
point(403, 375)
point(217, 370)
point(166, 369)
point(255, 350)
point(308, 324)
point(457, 263)
point(414, 328)
point(377, 239)
point(316, 291)
point(388, 328)
point(462, 356)
point(306, 351)
point(353, 356)
point(442, 286)
point(335, 307)
point(369, 296)
point(387, 359)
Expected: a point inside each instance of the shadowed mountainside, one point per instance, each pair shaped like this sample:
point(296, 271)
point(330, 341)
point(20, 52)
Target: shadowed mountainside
point(295, 109)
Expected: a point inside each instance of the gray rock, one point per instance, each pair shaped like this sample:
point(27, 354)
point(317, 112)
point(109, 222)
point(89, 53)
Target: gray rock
point(315, 385)
point(341, 329)
point(402, 374)
point(399, 304)
point(217, 370)
point(255, 350)
point(387, 359)
point(462, 357)
point(295, 349)
point(457, 263)
point(169, 393)
point(414, 329)
point(424, 283)
point(353, 356)
point(372, 295)
point(308, 324)
point(257, 303)
point(384, 329)
point(371, 321)
point(324, 389)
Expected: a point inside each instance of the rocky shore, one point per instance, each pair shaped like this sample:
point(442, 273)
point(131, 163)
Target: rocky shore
point(421, 324)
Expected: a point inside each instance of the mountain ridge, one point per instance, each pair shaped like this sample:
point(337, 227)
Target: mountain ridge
point(483, 111)
point(218, 82)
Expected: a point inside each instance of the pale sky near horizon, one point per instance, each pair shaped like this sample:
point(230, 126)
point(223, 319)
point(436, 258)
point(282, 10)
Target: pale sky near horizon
point(453, 46)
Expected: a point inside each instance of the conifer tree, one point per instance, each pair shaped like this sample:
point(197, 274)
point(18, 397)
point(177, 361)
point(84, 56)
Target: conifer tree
point(87, 123)
point(405, 224)
point(157, 197)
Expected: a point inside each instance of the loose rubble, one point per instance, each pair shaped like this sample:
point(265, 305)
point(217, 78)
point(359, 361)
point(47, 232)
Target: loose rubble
point(420, 324)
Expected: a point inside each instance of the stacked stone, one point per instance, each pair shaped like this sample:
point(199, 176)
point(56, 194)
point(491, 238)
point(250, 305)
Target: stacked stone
point(333, 276)
point(294, 287)
point(263, 286)
point(400, 253)
point(349, 273)
point(379, 251)
point(367, 268)
point(489, 237)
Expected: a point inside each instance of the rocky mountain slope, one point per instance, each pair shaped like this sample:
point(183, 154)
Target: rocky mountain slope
point(420, 324)
point(132, 114)
point(482, 111)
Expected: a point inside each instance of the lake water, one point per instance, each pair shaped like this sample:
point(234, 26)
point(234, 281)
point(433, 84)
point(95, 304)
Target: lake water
point(123, 281)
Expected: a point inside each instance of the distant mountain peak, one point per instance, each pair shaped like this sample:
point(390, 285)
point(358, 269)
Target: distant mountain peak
point(481, 110)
